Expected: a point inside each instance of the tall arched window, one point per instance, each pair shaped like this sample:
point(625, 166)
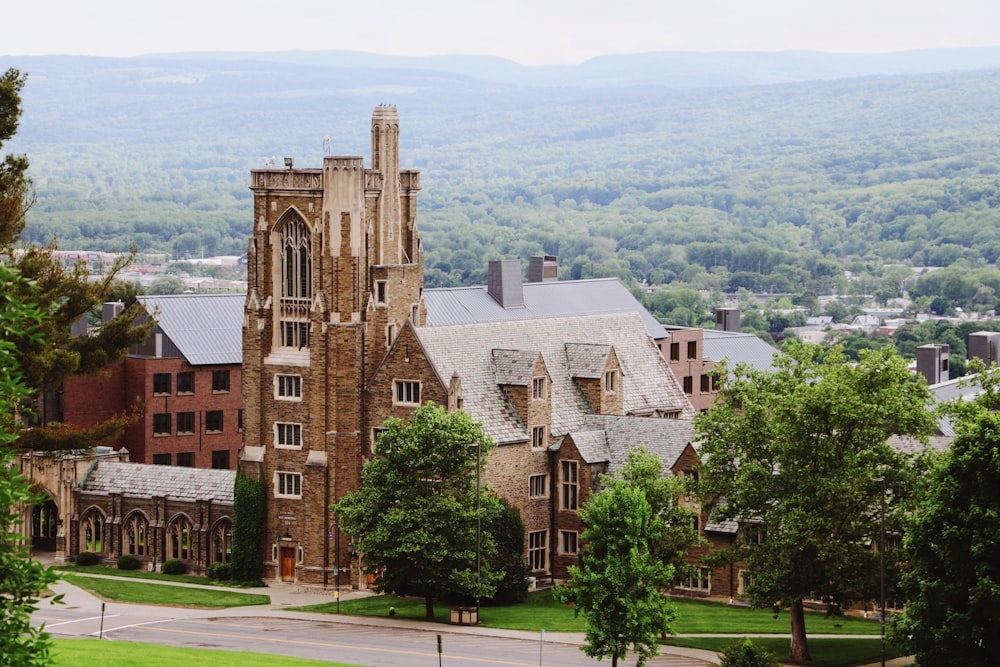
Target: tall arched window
point(222, 542)
point(295, 256)
point(296, 265)
point(92, 532)
point(136, 535)
point(179, 538)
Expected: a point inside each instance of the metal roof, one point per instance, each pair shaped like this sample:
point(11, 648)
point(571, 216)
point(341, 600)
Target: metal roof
point(736, 347)
point(557, 298)
point(206, 328)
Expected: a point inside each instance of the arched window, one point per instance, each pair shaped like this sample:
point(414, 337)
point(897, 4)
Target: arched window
point(136, 535)
point(92, 532)
point(179, 538)
point(296, 263)
point(222, 542)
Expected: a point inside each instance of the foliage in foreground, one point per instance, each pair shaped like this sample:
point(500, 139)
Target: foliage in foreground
point(799, 456)
point(618, 582)
point(747, 653)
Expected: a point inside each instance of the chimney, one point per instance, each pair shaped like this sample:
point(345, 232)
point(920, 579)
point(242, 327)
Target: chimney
point(504, 283)
point(543, 268)
point(110, 310)
point(932, 362)
point(985, 345)
point(727, 319)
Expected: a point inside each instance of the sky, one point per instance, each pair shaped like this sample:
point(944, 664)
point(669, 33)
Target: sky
point(531, 32)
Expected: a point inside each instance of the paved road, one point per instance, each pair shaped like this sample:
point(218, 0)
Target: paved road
point(381, 642)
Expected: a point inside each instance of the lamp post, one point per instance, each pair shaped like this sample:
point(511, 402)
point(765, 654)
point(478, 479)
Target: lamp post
point(479, 528)
point(335, 529)
point(881, 558)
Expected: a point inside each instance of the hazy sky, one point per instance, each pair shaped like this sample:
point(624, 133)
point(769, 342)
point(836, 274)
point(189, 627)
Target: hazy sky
point(532, 32)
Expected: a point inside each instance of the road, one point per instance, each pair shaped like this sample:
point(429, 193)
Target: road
point(354, 640)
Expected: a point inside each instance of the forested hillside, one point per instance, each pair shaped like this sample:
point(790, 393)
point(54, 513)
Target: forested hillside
point(767, 187)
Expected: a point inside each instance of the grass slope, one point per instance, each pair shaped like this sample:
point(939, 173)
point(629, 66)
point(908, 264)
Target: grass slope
point(143, 592)
point(95, 653)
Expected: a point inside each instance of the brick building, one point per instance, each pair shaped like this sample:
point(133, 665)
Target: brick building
point(183, 384)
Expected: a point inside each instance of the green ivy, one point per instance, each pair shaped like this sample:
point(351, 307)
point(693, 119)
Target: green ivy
point(249, 519)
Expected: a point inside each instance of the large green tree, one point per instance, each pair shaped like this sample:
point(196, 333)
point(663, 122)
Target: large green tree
point(22, 579)
point(415, 515)
point(618, 584)
point(953, 546)
point(797, 454)
point(64, 294)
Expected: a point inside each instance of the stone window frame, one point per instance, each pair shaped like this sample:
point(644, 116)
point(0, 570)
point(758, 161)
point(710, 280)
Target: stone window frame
point(569, 485)
point(180, 537)
point(538, 550)
point(162, 423)
point(538, 486)
point(611, 381)
point(185, 383)
point(569, 542)
point(406, 392)
point(185, 423)
point(162, 384)
point(136, 537)
point(699, 580)
point(287, 484)
point(220, 382)
point(287, 387)
point(381, 292)
point(287, 435)
point(539, 387)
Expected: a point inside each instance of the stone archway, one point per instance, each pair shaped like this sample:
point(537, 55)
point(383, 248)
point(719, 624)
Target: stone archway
point(45, 525)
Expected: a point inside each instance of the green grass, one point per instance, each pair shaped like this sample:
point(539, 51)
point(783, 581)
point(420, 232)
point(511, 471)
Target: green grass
point(95, 653)
point(542, 611)
point(156, 576)
point(139, 592)
point(825, 652)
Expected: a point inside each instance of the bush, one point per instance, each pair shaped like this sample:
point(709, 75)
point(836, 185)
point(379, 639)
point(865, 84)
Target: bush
point(174, 566)
point(220, 572)
point(128, 562)
point(747, 653)
point(87, 558)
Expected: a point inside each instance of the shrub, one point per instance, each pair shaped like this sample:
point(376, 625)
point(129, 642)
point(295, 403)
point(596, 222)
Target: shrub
point(220, 571)
point(87, 558)
point(747, 653)
point(174, 566)
point(128, 562)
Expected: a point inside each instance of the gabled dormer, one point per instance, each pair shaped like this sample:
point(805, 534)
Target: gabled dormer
point(596, 370)
point(523, 377)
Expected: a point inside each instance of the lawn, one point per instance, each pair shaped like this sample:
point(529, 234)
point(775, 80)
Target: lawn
point(825, 652)
point(542, 611)
point(157, 576)
point(144, 592)
point(96, 653)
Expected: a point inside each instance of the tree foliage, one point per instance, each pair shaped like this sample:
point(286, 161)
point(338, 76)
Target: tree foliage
point(795, 455)
point(22, 579)
point(415, 515)
point(249, 520)
point(64, 294)
point(618, 584)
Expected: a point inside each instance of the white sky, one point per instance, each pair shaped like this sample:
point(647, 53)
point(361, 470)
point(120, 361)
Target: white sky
point(532, 32)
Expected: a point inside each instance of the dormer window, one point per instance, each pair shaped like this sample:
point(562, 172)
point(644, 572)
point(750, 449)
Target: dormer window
point(610, 382)
point(538, 389)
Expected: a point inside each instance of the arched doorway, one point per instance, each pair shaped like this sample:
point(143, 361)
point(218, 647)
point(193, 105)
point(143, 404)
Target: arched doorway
point(44, 526)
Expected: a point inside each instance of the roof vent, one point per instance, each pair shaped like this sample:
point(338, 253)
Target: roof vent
point(504, 283)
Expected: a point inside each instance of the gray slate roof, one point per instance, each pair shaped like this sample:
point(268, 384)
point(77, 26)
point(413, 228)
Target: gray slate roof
point(663, 438)
point(467, 350)
point(448, 306)
point(206, 328)
point(146, 481)
point(735, 347)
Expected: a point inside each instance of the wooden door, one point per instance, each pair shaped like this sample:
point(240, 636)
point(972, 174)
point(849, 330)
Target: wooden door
point(287, 563)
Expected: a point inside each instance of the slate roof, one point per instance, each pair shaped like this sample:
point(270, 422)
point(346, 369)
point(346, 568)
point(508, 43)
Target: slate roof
point(736, 347)
point(447, 306)
point(206, 328)
point(515, 367)
point(664, 438)
point(467, 350)
point(144, 480)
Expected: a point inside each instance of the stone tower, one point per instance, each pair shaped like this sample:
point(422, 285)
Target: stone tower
point(335, 268)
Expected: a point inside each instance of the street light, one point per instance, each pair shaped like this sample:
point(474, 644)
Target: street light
point(881, 558)
point(335, 529)
point(479, 528)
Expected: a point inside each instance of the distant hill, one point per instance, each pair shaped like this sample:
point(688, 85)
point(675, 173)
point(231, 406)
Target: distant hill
point(725, 170)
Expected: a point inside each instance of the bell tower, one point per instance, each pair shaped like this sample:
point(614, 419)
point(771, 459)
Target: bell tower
point(335, 267)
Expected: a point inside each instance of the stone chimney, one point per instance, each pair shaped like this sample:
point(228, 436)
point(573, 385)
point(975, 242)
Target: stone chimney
point(985, 345)
point(932, 362)
point(727, 319)
point(504, 283)
point(543, 268)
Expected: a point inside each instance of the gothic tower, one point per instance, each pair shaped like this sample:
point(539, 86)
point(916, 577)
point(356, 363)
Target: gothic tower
point(335, 267)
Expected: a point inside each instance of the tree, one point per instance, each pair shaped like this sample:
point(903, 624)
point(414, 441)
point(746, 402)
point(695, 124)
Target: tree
point(797, 453)
point(249, 520)
point(415, 515)
point(21, 578)
point(617, 585)
point(507, 530)
point(664, 494)
point(63, 294)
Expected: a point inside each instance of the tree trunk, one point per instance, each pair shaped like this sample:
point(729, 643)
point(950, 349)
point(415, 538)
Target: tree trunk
point(428, 606)
point(799, 649)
